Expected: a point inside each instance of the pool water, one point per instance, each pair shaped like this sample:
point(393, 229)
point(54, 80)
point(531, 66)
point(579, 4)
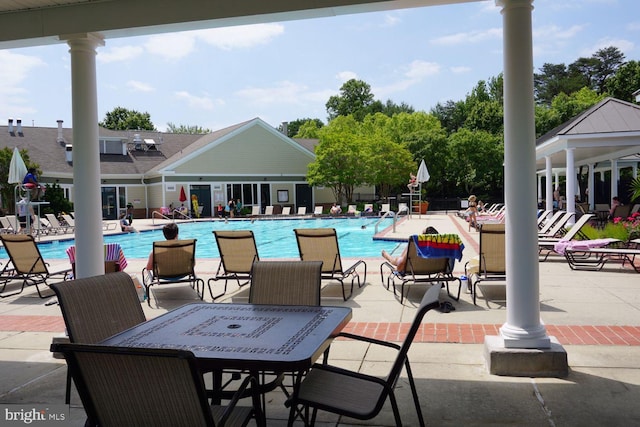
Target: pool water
point(274, 237)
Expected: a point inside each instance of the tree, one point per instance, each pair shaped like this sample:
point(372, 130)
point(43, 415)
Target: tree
point(554, 80)
point(57, 202)
point(390, 108)
point(309, 130)
point(609, 60)
point(187, 129)
point(625, 81)
point(293, 128)
point(340, 159)
point(123, 119)
point(451, 115)
point(355, 98)
point(569, 106)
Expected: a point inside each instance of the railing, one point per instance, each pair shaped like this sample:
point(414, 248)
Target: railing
point(386, 214)
point(155, 214)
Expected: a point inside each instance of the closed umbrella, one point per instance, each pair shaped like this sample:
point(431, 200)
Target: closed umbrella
point(423, 176)
point(17, 168)
point(183, 195)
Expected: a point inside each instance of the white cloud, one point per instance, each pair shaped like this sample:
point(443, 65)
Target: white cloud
point(14, 70)
point(140, 86)
point(418, 70)
point(198, 102)
point(623, 45)
point(172, 46)
point(414, 73)
point(633, 26)
point(282, 93)
point(555, 33)
point(344, 76)
point(460, 70)
point(391, 20)
point(468, 37)
point(119, 53)
point(245, 36)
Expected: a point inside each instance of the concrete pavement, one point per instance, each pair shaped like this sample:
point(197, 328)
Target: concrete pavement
point(595, 315)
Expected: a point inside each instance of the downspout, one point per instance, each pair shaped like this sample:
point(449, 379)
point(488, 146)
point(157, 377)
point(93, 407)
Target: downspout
point(146, 197)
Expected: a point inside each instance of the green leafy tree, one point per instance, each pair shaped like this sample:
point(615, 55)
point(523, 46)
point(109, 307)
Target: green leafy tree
point(187, 129)
point(340, 159)
point(54, 194)
point(553, 80)
point(475, 160)
point(625, 81)
point(293, 128)
point(452, 114)
point(569, 106)
point(390, 108)
point(609, 61)
point(355, 99)
point(123, 119)
point(310, 130)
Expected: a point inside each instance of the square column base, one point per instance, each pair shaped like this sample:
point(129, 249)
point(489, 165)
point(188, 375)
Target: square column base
point(525, 362)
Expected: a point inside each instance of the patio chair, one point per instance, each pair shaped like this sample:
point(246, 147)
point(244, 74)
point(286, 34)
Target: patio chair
point(302, 210)
point(356, 394)
point(321, 244)
point(6, 226)
point(28, 264)
point(114, 259)
point(318, 210)
point(71, 222)
point(125, 386)
point(55, 224)
point(173, 262)
point(286, 210)
point(95, 308)
point(558, 229)
point(547, 244)
point(268, 210)
point(621, 211)
point(238, 252)
point(255, 210)
point(384, 208)
point(544, 215)
point(352, 210)
point(490, 264)
point(368, 210)
point(436, 270)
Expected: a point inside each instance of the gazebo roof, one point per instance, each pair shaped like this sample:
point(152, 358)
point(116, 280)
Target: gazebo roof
point(609, 130)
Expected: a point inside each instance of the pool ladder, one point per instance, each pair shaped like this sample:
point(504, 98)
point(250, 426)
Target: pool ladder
point(387, 214)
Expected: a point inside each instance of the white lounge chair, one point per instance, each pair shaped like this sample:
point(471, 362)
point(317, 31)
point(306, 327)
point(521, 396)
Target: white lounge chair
point(302, 210)
point(268, 210)
point(286, 210)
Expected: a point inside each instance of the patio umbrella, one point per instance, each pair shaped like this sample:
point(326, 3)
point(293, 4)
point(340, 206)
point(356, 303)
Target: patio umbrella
point(183, 196)
point(17, 168)
point(423, 173)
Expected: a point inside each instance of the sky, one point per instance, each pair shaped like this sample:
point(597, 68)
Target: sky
point(284, 71)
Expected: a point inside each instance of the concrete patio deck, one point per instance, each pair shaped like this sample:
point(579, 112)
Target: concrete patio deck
point(594, 315)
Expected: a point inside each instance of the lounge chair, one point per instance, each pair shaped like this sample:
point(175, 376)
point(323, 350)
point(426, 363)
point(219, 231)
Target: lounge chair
point(356, 394)
point(621, 211)
point(321, 244)
point(286, 210)
point(558, 229)
point(490, 264)
point(173, 262)
point(368, 210)
point(594, 258)
point(95, 308)
point(318, 210)
point(71, 222)
point(114, 259)
point(436, 269)
point(238, 252)
point(545, 226)
point(544, 215)
point(352, 210)
point(302, 210)
point(384, 208)
point(28, 264)
point(255, 210)
point(6, 226)
point(268, 210)
point(403, 208)
point(56, 226)
point(125, 386)
point(548, 244)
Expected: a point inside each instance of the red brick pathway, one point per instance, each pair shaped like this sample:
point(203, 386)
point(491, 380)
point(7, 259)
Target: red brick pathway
point(429, 332)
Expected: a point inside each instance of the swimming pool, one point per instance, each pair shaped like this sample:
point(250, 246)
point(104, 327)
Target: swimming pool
point(274, 238)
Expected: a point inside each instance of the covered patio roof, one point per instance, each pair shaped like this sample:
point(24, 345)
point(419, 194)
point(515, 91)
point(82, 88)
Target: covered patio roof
point(610, 130)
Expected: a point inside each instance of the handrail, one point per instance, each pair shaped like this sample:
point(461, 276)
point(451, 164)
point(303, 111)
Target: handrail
point(386, 214)
point(156, 213)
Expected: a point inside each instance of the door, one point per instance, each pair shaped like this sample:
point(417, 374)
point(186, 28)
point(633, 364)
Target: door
point(203, 192)
point(304, 197)
point(109, 208)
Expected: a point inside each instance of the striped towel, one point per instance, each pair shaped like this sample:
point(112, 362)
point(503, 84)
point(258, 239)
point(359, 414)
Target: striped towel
point(438, 246)
point(112, 252)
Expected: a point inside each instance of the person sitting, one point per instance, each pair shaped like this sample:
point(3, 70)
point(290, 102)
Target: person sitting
point(335, 209)
point(413, 183)
point(30, 181)
point(183, 211)
point(170, 232)
point(400, 262)
point(615, 202)
point(124, 224)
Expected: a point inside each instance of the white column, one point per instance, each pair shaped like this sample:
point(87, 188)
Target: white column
point(86, 155)
point(548, 183)
point(570, 184)
point(591, 185)
point(539, 187)
point(523, 328)
point(614, 178)
point(634, 171)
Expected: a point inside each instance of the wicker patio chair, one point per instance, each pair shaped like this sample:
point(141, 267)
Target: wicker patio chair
point(95, 308)
point(148, 387)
